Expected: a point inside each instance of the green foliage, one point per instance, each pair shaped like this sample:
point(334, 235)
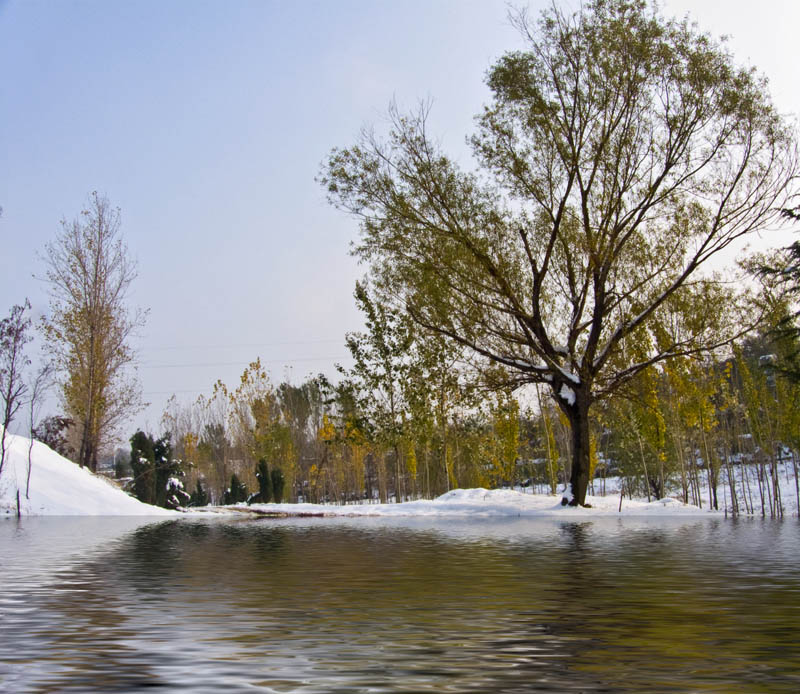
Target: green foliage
point(264, 483)
point(380, 366)
point(503, 441)
point(780, 277)
point(143, 466)
point(278, 482)
point(612, 169)
point(157, 475)
point(199, 496)
point(164, 468)
point(236, 493)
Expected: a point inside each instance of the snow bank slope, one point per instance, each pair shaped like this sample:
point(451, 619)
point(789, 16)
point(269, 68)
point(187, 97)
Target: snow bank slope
point(59, 487)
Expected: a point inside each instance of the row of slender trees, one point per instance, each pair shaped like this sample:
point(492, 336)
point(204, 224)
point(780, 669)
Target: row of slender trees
point(414, 418)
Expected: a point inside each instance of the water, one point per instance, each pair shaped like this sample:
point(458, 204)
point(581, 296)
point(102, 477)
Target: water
point(370, 605)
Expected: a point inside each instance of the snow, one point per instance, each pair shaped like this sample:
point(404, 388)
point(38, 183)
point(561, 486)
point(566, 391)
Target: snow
point(59, 487)
point(748, 495)
point(567, 394)
point(573, 377)
point(535, 366)
point(480, 503)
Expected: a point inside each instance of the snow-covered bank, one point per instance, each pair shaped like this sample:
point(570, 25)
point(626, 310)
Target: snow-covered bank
point(479, 503)
point(753, 489)
point(59, 487)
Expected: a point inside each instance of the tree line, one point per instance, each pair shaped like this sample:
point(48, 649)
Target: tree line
point(412, 418)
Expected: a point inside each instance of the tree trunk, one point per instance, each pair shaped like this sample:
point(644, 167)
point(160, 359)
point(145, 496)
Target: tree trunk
point(644, 466)
point(578, 415)
point(428, 472)
point(83, 446)
point(382, 493)
point(399, 494)
point(684, 482)
point(87, 453)
point(550, 440)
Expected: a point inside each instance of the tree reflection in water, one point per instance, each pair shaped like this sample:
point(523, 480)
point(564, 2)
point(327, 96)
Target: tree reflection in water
point(357, 605)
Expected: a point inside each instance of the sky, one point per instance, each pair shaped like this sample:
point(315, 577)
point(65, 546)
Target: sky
point(206, 123)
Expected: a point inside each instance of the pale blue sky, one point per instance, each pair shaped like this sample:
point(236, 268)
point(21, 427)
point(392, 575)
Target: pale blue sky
point(206, 122)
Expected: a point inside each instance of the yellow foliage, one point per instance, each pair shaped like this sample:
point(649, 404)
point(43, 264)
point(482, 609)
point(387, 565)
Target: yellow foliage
point(327, 432)
point(353, 433)
point(411, 460)
point(448, 458)
point(190, 442)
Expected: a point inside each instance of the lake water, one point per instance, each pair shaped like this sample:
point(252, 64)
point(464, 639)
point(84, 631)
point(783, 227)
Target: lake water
point(370, 605)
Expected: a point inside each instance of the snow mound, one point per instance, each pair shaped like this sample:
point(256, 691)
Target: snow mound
point(59, 487)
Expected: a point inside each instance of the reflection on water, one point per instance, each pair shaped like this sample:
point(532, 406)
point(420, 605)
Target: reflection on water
point(370, 605)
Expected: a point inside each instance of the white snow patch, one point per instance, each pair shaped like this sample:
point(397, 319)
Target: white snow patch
point(59, 487)
point(480, 503)
point(570, 376)
point(567, 394)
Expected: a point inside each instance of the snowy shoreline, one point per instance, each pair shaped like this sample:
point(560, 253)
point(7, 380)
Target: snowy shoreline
point(59, 487)
point(472, 503)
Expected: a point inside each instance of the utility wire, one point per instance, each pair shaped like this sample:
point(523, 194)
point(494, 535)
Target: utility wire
point(253, 345)
point(243, 362)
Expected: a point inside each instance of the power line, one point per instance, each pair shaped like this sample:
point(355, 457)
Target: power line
point(253, 345)
point(175, 392)
point(241, 362)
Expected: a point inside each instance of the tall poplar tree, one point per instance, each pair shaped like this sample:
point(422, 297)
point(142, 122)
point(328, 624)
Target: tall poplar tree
point(380, 366)
point(619, 154)
point(90, 325)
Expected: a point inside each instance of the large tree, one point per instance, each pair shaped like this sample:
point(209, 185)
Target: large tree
point(780, 276)
point(90, 325)
point(620, 153)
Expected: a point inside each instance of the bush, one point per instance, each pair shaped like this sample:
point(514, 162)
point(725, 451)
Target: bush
point(236, 493)
point(277, 484)
point(264, 478)
point(199, 496)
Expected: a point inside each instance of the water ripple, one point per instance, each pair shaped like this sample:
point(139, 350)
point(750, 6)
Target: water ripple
point(361, 605)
